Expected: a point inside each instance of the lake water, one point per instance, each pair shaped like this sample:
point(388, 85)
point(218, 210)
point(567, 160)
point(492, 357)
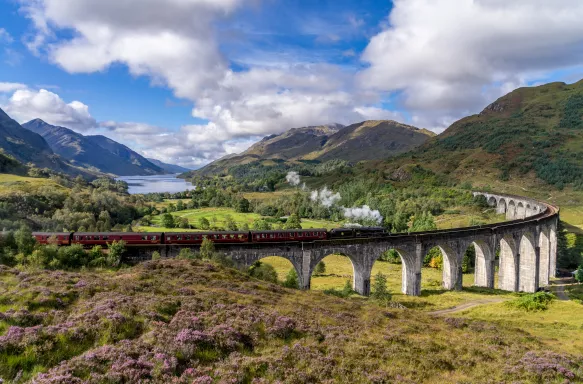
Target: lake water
point(156, 183)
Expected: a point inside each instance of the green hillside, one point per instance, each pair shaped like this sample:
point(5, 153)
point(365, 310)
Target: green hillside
point(532, 135)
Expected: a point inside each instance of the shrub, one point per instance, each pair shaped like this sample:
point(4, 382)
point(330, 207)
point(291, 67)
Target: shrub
point(532, 302)
point(292, 280)
point(345, 292)
point(263, 271)
point(156, 255)
point(116, 251)
point(185, 254)
point(379, 289)
point(320, 268)
point(579, 274)
point(207, 248)
point(391, 256)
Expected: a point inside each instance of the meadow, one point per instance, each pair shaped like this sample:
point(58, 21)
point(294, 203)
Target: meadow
point(194, 321)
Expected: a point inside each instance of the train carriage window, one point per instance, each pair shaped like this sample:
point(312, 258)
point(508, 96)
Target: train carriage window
point(153, 238)
point(168, 238)
point(105, 237)
point(144, 237)
point(180, 238)
point(188, 237)
point(76, 237)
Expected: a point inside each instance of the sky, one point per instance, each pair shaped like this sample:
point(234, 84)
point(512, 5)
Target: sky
point(190, 81)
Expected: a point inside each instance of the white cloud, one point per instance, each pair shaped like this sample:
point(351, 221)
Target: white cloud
point(5, 37)
point(175, 44)
point(26, 104)
point(11, 87)
point(453, 57)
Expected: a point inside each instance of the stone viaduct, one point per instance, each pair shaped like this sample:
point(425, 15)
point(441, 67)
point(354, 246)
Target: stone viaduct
point(524, 248)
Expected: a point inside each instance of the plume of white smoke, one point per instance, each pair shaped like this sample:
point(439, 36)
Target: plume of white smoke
point(363, 214)
point(293, 178)
point(326, 197)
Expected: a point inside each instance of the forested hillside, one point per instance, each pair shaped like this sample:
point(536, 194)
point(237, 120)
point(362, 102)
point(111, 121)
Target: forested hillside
point(530, 135)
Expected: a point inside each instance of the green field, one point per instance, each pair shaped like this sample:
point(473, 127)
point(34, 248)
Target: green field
point(217, 217)
point(13, 183)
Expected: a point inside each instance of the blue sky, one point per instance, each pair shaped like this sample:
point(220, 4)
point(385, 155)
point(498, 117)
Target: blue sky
point(188, 81)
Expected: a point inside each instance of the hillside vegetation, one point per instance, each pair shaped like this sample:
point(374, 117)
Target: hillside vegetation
point(194, 321)
point(532, 135)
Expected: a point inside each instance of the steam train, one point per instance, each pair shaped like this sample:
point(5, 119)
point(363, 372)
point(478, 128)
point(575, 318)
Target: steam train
point(185, 238)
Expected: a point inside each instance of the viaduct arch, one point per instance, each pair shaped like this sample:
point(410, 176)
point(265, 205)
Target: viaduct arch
point(527, 243)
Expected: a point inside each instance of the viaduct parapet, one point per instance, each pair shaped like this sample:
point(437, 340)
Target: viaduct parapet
point(523, 249)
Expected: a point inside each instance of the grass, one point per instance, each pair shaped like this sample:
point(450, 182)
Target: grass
point(13, 183)
point(433, 296)
point(218, 216)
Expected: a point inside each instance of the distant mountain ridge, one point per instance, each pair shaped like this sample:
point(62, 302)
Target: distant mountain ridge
point(170, 168)
point(97, 152)
point(367, 140)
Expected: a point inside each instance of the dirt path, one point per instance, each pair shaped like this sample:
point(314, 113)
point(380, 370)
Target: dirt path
point(469, 305)
point(558, 288)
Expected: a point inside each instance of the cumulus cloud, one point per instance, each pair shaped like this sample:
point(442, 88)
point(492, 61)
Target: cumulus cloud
point(5, 37)
point(26, 104)
point(175, 44)
point(451, 57)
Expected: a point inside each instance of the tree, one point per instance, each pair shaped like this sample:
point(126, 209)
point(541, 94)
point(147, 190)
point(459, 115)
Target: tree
point(291, 279)
point(579, 274)
point(379, 289)
point(293, 222)
point(95, 253)
point(116, 251)
point(207, 248)
point(391, 256)
point(261, 225)
point(243, 205)
point(180, 205)
point(230, 223)
point(263, 271)
point(24, 240)
point(320, 268)
point(183, 222)
point(168, 221)
point(203, 223)
point(423, 222)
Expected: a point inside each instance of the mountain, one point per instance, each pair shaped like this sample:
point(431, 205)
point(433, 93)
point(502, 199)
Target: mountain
point(367, 140)
point(26, 146)
point(170, 168)
point(95, 152)
point(531, 136)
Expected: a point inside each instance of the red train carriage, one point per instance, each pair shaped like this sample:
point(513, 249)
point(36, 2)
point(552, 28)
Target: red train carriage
point(59, 238)
point(288, 235)
point(197, 237)
point(130, 238)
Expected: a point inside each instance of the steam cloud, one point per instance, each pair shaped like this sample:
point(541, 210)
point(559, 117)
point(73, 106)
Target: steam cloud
point(363, 213)
point(293, 178)
point(328, 198)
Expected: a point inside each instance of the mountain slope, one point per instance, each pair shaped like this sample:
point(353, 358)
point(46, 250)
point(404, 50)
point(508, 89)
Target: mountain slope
point(170, 168)
point(85, 151)
point(367, 140)
point(28, 147)
point(533, 135)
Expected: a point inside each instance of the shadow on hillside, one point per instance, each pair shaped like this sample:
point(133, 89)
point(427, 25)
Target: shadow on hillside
point(474, 290)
